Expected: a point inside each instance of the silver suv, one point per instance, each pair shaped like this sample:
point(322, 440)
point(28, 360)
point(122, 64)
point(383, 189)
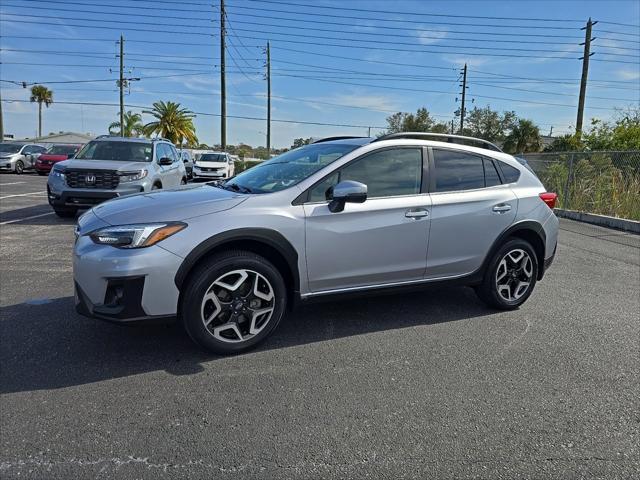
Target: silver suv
point(110, 167)
point(340, 215)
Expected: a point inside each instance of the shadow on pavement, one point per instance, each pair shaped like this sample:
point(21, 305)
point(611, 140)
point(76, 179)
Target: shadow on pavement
point(49, 346)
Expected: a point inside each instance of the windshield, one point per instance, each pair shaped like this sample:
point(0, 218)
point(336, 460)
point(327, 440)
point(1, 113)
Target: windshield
point(9, 148)
point(118, 151)
point(62, 150)
point(289, 168)
point(213, 157)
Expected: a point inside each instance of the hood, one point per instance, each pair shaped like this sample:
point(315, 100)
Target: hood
point(211, 164)
point(52, 158)
point(168, 205)
point(104, 165)
point(4, 156)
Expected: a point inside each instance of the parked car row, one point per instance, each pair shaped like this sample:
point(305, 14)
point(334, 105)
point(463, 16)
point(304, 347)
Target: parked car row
point(18, 157)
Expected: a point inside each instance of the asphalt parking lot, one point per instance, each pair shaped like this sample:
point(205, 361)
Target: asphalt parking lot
point(419, 385)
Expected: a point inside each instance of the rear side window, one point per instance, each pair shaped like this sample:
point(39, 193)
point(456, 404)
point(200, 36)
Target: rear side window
point(457, 171)
point(511, 174)
point(491, 177)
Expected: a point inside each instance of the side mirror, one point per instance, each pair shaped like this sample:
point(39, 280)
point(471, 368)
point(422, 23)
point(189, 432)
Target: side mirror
point(165, 161)
point(347, 191)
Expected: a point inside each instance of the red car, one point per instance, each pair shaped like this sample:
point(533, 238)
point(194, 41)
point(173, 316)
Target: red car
point(56, 153)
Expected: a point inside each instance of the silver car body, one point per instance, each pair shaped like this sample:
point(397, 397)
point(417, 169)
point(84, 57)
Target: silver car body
point(382, 242)
point(27, 154)
point(82, 183)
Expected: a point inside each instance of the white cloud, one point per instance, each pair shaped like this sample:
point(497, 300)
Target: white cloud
point(624, 74)
point(431, 37)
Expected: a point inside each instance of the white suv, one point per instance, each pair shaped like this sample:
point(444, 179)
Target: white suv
point(214, 166)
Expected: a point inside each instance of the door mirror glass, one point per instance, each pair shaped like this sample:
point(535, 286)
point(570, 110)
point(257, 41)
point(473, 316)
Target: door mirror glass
point(347, 191)
point(165, 161)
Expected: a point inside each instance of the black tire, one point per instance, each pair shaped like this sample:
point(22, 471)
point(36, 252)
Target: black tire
point(202, 279)
point(156, 186)
point(183, 181)
point(19, 167)
point(488, 289)
point(65, 212)
point(42, 173)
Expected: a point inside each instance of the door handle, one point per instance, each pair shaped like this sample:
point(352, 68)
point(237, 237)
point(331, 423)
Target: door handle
point(502, 208)
point(416, 213)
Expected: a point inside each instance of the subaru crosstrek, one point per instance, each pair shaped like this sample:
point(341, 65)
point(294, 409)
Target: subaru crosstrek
point(110, 167)
point(340, 215)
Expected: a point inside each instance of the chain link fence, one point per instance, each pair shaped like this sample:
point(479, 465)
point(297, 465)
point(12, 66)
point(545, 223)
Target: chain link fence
point(602, 182)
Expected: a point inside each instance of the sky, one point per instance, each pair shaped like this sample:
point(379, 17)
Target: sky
point(338, 66)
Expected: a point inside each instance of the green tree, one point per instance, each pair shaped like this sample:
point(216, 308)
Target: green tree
point(524, 137)
point(133, 126)
point(421, 121)
point(298, 142)
point(42, 95)
point(172, 122)
point(488, 124)
point(565, 143)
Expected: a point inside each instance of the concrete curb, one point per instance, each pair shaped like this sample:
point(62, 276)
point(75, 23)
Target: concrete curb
point(632, 226)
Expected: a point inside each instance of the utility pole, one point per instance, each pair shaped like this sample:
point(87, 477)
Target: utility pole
point(268, 100)
point(121, 84)
point(551, 131)
point(369, 132)
point(1, 122)
point(452, 126)
point(585, 73)
point(464, 91)
point(223, 84)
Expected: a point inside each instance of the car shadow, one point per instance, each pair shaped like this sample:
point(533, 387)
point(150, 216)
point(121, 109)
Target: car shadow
point(48, 345)
point(41, 214)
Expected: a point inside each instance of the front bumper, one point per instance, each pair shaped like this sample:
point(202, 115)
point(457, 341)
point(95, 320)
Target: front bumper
point(85, 197)
point(122, 285)
point(7, 165)
point(44, 167)
point(197, 173)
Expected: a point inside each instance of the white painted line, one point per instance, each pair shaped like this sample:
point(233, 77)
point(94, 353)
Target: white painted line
point(12, 183)
point(23, 194)
point(26, 218)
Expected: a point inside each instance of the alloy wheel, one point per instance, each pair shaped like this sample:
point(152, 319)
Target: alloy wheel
point(514, 275)
point(237, 306)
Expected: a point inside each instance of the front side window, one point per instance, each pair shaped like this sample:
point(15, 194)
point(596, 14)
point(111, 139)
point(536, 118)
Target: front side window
point(117, 151)
point(290, 168)
point(455, 171)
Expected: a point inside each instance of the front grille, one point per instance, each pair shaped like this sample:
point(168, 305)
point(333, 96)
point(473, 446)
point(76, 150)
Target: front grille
point(104, 179)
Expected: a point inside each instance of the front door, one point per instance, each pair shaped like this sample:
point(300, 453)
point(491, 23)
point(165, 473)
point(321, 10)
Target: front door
point(380, 241)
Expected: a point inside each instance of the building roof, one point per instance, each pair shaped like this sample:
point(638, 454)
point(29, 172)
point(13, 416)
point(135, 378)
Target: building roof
point(62, 137)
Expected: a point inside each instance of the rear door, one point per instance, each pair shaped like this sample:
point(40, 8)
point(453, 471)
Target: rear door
point(470, 208)
point(380, 241)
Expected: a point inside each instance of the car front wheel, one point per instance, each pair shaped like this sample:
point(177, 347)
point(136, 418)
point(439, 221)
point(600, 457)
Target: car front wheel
point(510, 277)
point(233, 302)
point(65, 212)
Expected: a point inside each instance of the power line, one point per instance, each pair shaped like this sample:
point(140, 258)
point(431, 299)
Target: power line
point(110, 40)
point(128, 5)
point(532, 102)
point(419, 14)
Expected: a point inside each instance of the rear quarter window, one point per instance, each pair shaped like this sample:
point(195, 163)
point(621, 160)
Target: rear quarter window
point(511, 174)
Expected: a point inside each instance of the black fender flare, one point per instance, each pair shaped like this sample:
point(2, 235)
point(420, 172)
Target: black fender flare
point(265, 236)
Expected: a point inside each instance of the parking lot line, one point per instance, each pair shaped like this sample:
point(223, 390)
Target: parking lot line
point(16, 220)
point(23, 194)
point(11, 183)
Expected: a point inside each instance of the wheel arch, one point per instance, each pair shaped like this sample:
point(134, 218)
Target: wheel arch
point(267, 243)
point(528, 230)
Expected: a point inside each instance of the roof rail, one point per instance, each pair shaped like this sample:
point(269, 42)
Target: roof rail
point(341, 137)
point(443, 137)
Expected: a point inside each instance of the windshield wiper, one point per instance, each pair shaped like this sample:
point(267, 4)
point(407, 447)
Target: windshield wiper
point(237, 188)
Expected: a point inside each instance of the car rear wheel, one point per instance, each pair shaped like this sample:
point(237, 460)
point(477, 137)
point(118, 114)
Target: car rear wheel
point(65, 212)
point(42, 173)
point(19, 167)
point(233, 302)
point(511, 275)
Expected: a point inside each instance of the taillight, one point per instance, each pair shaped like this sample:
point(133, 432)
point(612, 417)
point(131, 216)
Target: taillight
point(549, 198)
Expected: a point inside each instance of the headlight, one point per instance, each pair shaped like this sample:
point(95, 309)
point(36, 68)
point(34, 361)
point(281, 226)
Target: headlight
point(57, 173)
point(135, 236)
point(133, 176)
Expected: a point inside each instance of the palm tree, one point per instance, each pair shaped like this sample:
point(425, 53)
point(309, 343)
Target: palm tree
point(41, 94)
point(172, 122)
point(524, 137)
point(133, 126)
